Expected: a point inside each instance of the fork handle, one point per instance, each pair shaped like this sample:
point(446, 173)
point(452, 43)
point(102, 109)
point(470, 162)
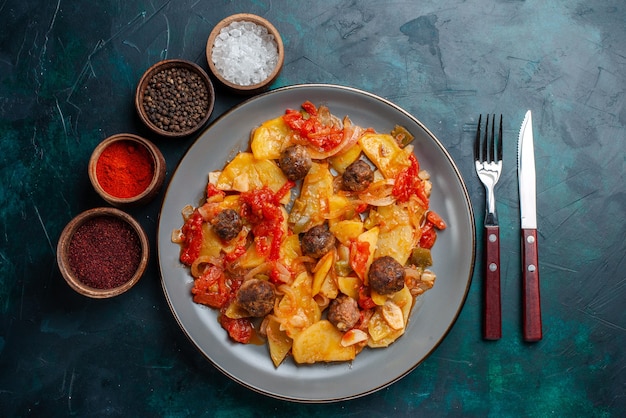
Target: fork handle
point(492, 321)
point(530, 280)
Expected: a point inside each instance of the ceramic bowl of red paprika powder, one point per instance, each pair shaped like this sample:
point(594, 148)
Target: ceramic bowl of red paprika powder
point(174, 98)
point(127, 170)
point(102, 252)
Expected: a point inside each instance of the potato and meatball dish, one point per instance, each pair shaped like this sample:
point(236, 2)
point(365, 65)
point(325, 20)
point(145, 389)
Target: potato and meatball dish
point(316, 241)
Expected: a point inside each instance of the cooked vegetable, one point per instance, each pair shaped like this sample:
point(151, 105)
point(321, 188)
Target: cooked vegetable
point(330, 272)
point(321, 342)
point(421, 257)
point(402, 135)
point(312, 206)
point(385, 153)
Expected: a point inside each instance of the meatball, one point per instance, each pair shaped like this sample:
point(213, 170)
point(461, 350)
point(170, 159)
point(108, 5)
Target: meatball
point(386, 275)
point(358, 176)
point(227, 224)
point(256, 297)
point(343, 312)
point(317, 241)
point(295, 162)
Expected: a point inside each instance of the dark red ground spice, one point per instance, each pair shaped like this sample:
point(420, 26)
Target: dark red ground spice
point(104, 252)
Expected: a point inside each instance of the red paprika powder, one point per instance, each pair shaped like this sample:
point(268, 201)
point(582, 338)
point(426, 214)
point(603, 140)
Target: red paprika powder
point(125, 169)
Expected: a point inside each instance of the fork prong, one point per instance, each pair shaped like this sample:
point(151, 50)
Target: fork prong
point(485, 156)
point(500, 140)
point(492, 143)
point(477, 140)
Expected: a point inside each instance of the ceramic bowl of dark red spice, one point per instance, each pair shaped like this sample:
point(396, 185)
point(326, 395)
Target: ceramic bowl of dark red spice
point(127, 170)
point(175, 98)
point(245, 53)
point(102, 252)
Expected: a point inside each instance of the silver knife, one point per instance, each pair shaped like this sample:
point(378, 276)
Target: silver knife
point(528, 210)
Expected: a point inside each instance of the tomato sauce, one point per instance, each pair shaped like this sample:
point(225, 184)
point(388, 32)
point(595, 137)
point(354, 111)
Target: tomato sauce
point(240, 330)
point(192, 238)
point(365, 300)
point(409, 184)
point(262, 209)
point(359, 253)
point(310, 128)
point(211, 289)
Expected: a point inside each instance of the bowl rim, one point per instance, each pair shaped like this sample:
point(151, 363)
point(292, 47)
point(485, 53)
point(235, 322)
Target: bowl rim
point(249, 17)
point(150, 191)
point(165, 64)
point(63, 248)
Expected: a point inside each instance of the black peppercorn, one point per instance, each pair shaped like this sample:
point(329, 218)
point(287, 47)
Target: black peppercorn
point(176, 99)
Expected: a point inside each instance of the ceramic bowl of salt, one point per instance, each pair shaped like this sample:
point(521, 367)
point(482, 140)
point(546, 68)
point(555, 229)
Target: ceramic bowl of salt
point(245, 53)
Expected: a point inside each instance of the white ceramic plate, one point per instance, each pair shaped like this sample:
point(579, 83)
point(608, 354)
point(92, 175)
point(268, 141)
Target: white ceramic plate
point(433, 315)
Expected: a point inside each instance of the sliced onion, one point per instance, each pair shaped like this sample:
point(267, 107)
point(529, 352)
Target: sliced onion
point(379, 193)
point(304, 259)
point(293, 302)
point(177, 236)
point(353, 336)
point(326, 118)
point(299, 264)
point(383, 201)
point(284, 275)
point(324, 115)
point(199, 264)
point(263, 327)
point(271, 317)
point(321, 300)
point(316, 154)
point(417, 212)
point(351, 135)
point(261, 268)
point(187, 211)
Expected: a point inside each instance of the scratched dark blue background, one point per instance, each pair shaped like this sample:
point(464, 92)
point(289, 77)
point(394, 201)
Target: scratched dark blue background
point(68, 70)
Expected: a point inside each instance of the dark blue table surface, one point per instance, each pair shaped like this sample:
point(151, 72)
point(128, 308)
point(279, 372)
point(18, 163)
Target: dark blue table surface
point(68, 71)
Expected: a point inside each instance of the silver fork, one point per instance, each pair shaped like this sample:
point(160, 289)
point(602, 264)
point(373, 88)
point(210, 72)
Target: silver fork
point(488, 162)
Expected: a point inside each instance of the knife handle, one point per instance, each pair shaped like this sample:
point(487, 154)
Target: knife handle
point(492, 320)
point(530, 294)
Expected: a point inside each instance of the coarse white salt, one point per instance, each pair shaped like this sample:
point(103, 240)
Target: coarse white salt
point(245, 53)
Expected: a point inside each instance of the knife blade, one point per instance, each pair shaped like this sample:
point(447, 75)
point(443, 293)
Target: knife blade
point(531, 299)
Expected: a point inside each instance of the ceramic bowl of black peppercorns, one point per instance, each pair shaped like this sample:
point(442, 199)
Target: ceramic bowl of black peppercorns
point(102, 252)
point(175, 98)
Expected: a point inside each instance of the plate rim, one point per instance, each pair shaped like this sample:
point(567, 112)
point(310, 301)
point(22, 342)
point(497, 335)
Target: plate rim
point(469, 213)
